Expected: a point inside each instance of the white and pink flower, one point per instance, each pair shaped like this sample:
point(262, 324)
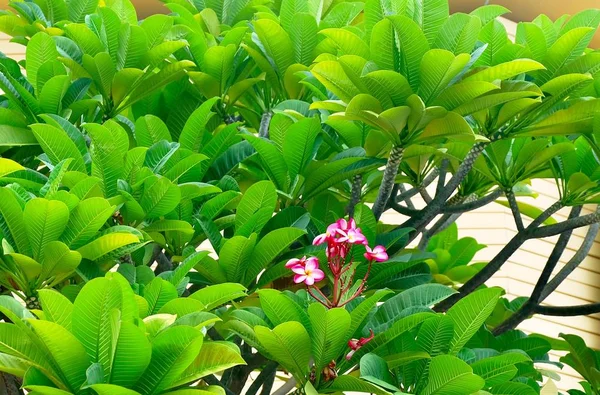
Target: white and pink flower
point(309, 273)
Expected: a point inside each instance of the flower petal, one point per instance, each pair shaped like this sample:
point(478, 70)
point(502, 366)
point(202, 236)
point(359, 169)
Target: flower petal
point(318, 274)
point(292, 262)
point(309, 280)
point(311, 264)
point(299, 269)
point(298, 278)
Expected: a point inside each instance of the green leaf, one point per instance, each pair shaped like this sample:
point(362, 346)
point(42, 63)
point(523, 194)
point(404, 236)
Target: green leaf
point(57, 308)
point(288, 343)
point(438, 68)
point(347, 384)
point(470, 313)
point(58, 262)
point(58, 146)
point(459, 33)
point(235, 255)
point(12, 222)
point(449, 375)
point(108, 150)
point(160, 197)
point(78, 9)
point(158, 293)
point(215, 295)
point(425, 295)
point(92, 319)
point(273, 161)
point(86, 220)
point(46, 221)
point(499, 369)
point(173, 350)
point(303, 32)
point(131, 356)
point(149, 130)
point(298, 144)
point(413, 46)
point(505, 70)
point(568, 47)
point(329, 333)
point(276, 43)
point(268, 249)
point(214, 357)
point(261, 195)
point(106, 244)
point(40, 49)
point(112, 389)
point(65, 349)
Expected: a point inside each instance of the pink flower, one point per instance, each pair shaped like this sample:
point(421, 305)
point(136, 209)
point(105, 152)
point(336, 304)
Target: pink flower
point(378, 254)
point(292, 263)
point(356, 344)
point(309, 273)
point(328, 235)
point(346, 225)
point(352, 236)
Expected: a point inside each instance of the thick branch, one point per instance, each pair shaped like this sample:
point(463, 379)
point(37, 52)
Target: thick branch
point(574, 262)
point(553, 230)
point(388, 181)
point(569, 311)
point(441, 224)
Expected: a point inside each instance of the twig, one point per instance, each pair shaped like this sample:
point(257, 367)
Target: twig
point(443, 171)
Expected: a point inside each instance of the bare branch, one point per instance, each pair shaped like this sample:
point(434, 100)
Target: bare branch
point(514, 208)
point(472, 205)
point(569, 311)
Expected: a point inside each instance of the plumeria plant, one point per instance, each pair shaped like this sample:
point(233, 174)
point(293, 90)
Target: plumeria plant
point(166, 186)
point(340, 238)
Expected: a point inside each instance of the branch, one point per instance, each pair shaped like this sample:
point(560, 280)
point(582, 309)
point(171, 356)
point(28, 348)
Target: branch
point(268, 372)
point(496, 263)
point(574, 262)
point(569, 311)
point(514, 207)
point(529, 306)
point(441, 224)
point(388, 181)
point(356, 194)
point(553, 230)
point(443, 171)
point(212, 380)
point(286, 388)
point(472, 205)
point(434, 208)
point(403, 210)
point(406, 195)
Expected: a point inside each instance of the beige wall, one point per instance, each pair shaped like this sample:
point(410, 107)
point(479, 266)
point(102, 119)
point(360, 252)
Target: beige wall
point(494, 226)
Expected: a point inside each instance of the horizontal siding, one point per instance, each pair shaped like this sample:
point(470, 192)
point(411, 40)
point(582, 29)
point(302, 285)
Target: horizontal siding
point(493, 225)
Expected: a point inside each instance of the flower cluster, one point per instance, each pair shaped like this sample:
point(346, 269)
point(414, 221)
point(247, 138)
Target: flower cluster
point(341, 237)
